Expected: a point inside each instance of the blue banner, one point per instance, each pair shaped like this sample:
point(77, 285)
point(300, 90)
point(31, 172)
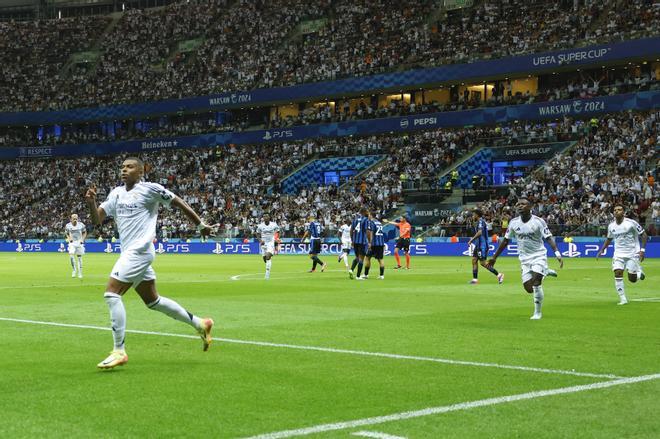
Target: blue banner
point(534, 63)
point(569, 250)
point(547, 110)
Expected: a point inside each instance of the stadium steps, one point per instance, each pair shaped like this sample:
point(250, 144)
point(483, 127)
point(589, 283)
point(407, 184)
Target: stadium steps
point(598, 23)
point(65, 72)
point(458, 196)
point(175, 50)
point(442, 175)
point(294, 171)
point(359, 175)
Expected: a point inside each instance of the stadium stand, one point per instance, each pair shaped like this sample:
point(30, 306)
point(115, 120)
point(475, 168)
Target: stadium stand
point(209, 46)
point(615, 160)
point(583, 85)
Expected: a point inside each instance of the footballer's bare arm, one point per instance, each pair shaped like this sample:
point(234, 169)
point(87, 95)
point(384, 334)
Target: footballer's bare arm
point(202, 227)
point(96, 213)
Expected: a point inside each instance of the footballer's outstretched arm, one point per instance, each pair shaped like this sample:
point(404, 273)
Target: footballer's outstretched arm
point(603, 247)
point(553, 246)
point(96, 213)
point(188, 211)
point(499, 250)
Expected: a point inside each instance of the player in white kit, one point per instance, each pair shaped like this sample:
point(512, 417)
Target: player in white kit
point(346, 243)
point(530, 231)
point(75, 233)
point(267, 230)
point(134, 207)
point(628, 255)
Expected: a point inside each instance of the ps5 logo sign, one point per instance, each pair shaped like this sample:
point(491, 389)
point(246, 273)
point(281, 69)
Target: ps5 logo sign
point(281, 134)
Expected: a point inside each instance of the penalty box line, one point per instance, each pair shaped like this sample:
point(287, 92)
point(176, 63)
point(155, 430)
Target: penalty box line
point(452, 408)
point(331, 350)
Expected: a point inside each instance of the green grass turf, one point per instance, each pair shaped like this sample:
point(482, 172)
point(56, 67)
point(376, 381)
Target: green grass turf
point(50, 387)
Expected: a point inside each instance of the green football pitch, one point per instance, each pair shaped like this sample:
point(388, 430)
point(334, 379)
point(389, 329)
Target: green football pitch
point(421, 354)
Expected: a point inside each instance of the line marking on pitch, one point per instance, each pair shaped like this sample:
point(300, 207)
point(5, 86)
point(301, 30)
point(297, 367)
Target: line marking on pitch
point(376, 435)
point(331, 350)
point(646, 299)
point(452, 408)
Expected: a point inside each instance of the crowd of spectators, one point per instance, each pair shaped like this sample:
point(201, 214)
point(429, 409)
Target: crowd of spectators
point(583, 85)
point(231, 185)
point(246, 44)
point(615, 162)
point(33, 55)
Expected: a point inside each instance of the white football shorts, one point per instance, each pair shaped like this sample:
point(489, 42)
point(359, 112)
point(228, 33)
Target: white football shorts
point(630, 264)
point(346, 244)
point(134, 267)
point(539, 265)
point(76, 248)
point(268, 247)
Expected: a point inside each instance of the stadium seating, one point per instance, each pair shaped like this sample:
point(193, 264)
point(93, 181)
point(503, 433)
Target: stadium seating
point(577, 85)
point(236, 186)
point(206, 46)
point(232, 186)
point(615, 162)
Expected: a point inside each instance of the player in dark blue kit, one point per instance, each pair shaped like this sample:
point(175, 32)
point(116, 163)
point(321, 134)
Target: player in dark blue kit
point(480, 251)
point(377, 248)
point(313, 231)
point(361, 236)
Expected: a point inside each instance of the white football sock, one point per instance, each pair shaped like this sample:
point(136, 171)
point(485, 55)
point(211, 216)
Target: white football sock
point(117, 318)
point(269, 263)
point(80, 265)
point(73, 262)
point(171, 308)
point(345, 258)
point(538, 299)
point(620, 288)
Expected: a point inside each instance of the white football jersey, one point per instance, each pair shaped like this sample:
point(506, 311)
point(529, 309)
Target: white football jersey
point(136, 212)
point(267, 231)
point(625, 237)
point(76, 232)
point(530, 237)
point(345, 230)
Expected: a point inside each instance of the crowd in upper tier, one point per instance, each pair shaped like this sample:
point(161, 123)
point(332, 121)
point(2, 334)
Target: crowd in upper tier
point(579, 85)
point(200, 47)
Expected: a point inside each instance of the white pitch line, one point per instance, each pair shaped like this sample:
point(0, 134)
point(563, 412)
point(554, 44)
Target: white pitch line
point(376, 435)
point(331, 350)
point(646, 299)
point(452, 408)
